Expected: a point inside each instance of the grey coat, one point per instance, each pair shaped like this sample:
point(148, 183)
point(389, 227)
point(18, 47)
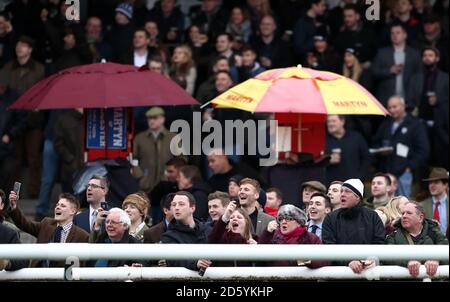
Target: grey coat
point(381, 70)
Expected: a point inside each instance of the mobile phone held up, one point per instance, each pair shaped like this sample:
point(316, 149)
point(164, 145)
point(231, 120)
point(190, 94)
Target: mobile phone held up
point(104, 206)
point(16, 188)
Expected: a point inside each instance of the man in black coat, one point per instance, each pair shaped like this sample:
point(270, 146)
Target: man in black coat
point(272, 51)
point(409, 141)
point(429, 95)
point(394, 66)
point(68, 138)
point(185, 229)
point(348, 149)
point(210, 17)
point(430, 87)
point(353, 223)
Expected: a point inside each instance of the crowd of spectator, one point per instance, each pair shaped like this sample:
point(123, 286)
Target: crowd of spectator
point(206, 47)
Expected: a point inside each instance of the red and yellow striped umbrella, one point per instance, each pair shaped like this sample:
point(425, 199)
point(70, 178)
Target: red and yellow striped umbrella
point(301, 90)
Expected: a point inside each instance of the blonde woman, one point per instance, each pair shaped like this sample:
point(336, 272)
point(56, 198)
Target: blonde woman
point(354, 70)
point(395, 206)
point(183, 70)
point(391, 213)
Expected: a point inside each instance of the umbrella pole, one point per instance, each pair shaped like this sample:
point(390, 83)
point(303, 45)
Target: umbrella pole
point(105, 119)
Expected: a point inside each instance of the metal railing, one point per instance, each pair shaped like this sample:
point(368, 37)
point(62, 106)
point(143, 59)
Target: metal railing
point(217, 273)
point(263, 252)
point(257, 252)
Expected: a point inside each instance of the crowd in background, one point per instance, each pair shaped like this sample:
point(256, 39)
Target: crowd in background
point(207, 47)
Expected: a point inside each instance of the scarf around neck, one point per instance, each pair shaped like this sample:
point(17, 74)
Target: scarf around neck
point(289, 237)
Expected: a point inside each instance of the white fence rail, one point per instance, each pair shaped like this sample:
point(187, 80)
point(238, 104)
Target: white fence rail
point(217, 273)
point(260, 252)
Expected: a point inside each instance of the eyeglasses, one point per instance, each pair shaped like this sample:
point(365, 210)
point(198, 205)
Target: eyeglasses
point(112, 222)
point(94, 186)
point(287, 218)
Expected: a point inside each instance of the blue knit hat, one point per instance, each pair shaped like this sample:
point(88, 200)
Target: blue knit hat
point(126, 9)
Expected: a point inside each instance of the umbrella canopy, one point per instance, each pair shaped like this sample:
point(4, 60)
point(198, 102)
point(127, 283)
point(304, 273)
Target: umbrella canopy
point(103, 85)
point(300, 90)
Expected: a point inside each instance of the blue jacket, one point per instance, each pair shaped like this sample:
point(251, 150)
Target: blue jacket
point(82, 220)
point(411, 133)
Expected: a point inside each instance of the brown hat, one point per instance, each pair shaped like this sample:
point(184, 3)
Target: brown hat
point(315, 185)
point(138, 201)
point(437, 174)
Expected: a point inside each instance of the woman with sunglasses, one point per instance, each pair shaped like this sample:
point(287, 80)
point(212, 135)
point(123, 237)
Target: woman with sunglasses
point(290, 228)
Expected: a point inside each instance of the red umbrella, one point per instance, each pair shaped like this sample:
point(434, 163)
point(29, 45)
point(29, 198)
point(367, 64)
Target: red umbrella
point(103, 85)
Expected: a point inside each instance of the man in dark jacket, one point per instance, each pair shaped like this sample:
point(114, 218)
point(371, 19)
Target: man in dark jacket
point(164, 187)
point(429, 95)
point(307, 27)
point(431, 80)
point(414, 229)
point(120, 37)
point(211, 17)
point(409, 141)
point(12, 125)
point(272, 51)
point(356, 34)
point(20, 74)
point(348, 149)
point(68, 143)
point(395, 65)
point(170, 20)
point(353, 223)
point(155, 232)
point(185, 229)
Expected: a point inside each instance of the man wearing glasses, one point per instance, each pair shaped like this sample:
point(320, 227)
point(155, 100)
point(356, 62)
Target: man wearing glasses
point(96, 191)
point(117, 231)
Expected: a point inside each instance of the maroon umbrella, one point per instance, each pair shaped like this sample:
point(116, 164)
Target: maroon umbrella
point(103, 85)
